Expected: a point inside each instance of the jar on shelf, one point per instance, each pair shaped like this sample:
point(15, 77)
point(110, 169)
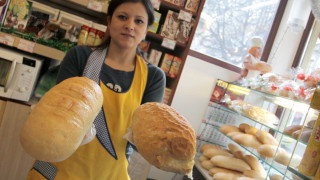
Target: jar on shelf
point(99, 37)
point(83, 35)
point(315, 102)
point(91, 37)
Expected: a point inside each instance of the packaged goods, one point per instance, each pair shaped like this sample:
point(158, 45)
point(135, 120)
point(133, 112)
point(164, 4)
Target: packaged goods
point(166, 62)
point(91, 37)
point(83, 35)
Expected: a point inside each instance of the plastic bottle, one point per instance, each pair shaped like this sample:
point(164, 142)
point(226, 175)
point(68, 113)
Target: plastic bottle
point(91, 37)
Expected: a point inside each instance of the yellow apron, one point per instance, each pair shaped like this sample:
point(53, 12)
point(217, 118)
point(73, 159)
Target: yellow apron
point(92, 161)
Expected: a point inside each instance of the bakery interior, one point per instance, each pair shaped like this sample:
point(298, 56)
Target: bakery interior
point(264, 127)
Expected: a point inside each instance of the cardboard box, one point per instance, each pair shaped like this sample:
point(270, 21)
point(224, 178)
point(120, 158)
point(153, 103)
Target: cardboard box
point(170, 25)
point(175, 66)
point(154, 57)
point(192, 5)
point(154, 27)
point(166, 62)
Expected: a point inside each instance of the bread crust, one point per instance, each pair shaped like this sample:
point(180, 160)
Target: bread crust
point(58, 123)
point(164, 137)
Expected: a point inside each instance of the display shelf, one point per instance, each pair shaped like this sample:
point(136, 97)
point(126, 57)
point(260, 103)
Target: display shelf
point(169, 5)
point(203, 171)
point(272, 128)
point(294, 171)
point(159, 39)
point(38, 49)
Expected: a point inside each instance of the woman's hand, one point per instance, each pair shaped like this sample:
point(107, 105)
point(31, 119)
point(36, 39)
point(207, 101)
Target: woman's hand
point(89, 136)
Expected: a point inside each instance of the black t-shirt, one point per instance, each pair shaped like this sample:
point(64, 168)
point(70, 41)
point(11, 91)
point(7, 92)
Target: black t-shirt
point(75, 61)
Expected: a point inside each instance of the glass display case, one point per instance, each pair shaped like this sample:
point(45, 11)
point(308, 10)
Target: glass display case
point(274, 114)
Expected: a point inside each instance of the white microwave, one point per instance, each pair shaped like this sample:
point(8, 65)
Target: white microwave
point(18, 74)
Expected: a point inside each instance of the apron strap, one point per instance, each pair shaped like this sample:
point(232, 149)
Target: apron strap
point(46, 169)
point(92, 70)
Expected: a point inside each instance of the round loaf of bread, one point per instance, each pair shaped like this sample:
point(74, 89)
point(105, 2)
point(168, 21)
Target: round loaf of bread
point(164, 137)
point(57, 125)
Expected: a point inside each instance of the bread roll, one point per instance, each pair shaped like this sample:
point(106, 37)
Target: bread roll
point(203, 158)
point(267, 150)
point(239, 154)
point(266, 138)
point(230, 163)
point(209, 153)
point(164, 137)
point(290, 129)
point(225, 176)
point(270, 151)
point(245, 178)
point(243, 127)
point(225, 129)
point(255, 165)
point(209, 146)
point(276, 177)
point(58, 123)
point(260, 114)
point(232, 134)
point(233, 148)
point(254, 175)
point(248, 129)
point(247, 140)
point(216, 170)
point(207, 164)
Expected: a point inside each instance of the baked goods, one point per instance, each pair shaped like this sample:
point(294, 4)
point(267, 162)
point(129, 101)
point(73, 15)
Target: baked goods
point(290, 129)
point(255, 165)
point(276, 177)
point(58, 123)
point(253, 174)
point(207, 164)
point(268, 150)
point(225, 129)
point(233, 148)
point(266, 138)
point(230, 163)
point(216, 170)
point(209, 153)
point(248, 129)
point(225, 176)
point(164, 137)
point(202, 158)
point(208, 146)
point(247, 140)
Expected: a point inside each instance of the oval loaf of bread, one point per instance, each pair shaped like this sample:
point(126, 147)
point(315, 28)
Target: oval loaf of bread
point(230, 163)
point(57, 125)
point(164, 137)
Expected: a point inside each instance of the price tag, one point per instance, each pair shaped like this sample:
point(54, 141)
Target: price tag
point(186, 16)
point(168, 43)
point(95, 5)
point(6, 39)
point(155, 4)
point(26, 45)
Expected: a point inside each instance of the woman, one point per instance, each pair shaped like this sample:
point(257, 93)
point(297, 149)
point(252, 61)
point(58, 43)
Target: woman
point(126, 81)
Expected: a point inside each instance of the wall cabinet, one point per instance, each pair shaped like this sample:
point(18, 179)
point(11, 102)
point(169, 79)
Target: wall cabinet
point(222, 111)
point(15, 162)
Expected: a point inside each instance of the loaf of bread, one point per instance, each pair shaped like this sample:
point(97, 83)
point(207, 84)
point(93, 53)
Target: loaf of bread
point(164, 137)
point(232, 134)
point(276, 177)
point(255, 165)
point(209, 153)
point(247, 140)
point(58, 123)
point(281, 155)
point(225, 129)
point(254, 175)
point(203, 158)
point(234, 148)
point(207, 164)
point(225, 176)
point(216, 170)
point(266, 138)
point(230, 163)
point(260, 114)
point(290, 129)
point(209, 146)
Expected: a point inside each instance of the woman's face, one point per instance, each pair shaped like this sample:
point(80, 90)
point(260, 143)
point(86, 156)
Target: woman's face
point(128, 25)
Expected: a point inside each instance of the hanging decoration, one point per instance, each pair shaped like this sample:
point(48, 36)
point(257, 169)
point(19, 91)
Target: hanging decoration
point(315, 7)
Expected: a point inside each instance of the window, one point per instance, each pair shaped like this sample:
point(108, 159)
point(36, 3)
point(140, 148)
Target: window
point(226, 27)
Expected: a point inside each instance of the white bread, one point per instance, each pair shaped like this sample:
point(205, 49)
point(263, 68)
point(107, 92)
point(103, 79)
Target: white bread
point(225, 176)
point(255, 165)
point(164, 137)
point(225, 129)
point(232, 134)
point(239, 154)
point(266, 138)
point(203, 158)
point(254, 175)
point(216, 170)
point(276, 177)
point(209, 153)
point(230, 163)
point(290, 129)
point(247, 140)
point(209, 146)
point(207, 164)
point(233, 148)
point(267, 150)
point(260, 114)
point(281, 155)
point(58, 123)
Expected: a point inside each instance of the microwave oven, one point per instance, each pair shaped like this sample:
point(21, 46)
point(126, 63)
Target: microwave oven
point(18, 74)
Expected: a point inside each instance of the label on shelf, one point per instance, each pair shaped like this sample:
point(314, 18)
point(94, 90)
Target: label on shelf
point(168, 43)
point(25, 45)
point(95, 5)
point(184, 15)
point(6, 39)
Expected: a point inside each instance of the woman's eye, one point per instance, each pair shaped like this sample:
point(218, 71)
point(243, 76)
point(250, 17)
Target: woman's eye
point(122, 17)
point(139, 21)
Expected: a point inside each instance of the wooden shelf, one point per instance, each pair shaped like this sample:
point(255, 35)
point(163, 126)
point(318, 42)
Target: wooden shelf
point(159, 38)
point(38, 49)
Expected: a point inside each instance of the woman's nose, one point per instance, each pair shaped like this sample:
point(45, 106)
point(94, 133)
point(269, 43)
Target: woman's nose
point(129, 24)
